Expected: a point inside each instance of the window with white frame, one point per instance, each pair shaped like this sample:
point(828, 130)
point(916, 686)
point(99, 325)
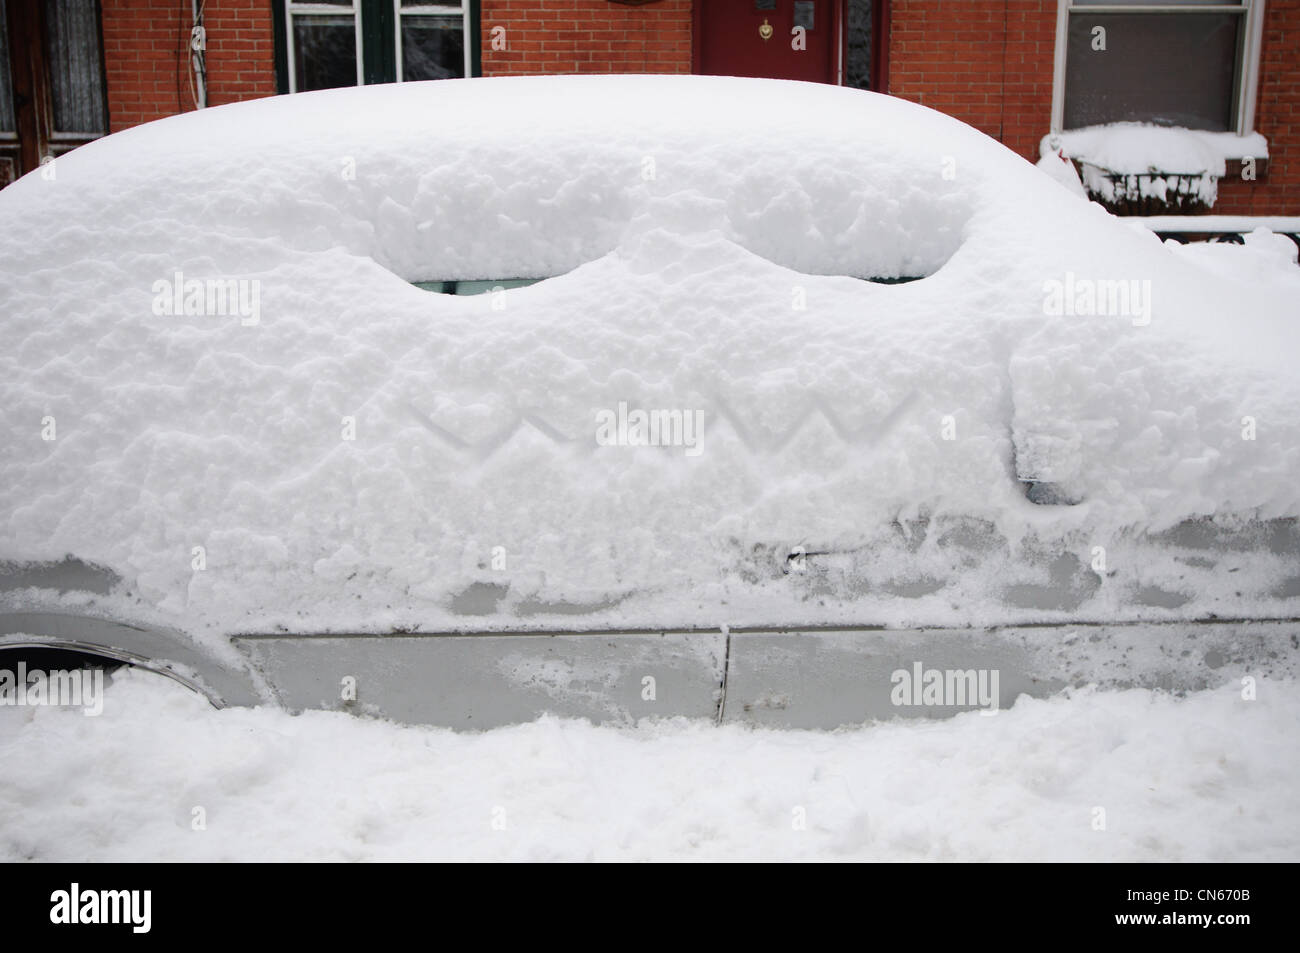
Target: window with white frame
point(1188, 63)
point(431, 41)
point(330, 43)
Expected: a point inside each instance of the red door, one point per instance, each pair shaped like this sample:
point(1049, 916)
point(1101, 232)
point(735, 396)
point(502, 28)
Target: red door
point(762, 38)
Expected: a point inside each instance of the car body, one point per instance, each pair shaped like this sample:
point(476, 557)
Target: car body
point(766, 384)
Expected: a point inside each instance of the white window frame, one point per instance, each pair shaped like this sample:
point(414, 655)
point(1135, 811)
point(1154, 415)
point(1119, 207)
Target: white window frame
point(1247, 81)
point(431, 9)
point(318, 9)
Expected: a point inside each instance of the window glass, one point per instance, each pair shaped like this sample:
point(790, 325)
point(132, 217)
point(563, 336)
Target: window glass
point(433, 47)
point(476, 287)
point(6, 87)
point(72, 49)
point(325, 51)
point(395, 40)
point(1164, 68)
point(857, 64)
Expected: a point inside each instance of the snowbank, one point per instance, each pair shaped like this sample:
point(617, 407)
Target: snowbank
point(1208, 777)
point(343, 450)
point(1263, 256)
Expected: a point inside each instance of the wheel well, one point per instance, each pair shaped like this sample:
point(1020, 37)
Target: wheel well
point(49, 658)
point(104, 643)
point(49, 655)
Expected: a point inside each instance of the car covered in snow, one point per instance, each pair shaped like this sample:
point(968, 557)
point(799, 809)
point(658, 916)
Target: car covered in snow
point(630, 396)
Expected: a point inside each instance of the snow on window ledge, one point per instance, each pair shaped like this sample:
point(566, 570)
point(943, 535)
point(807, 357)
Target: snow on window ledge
point(1138, 168)
point(1136, 148)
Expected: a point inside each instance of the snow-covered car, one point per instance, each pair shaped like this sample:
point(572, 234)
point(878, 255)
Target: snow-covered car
point(627, 396)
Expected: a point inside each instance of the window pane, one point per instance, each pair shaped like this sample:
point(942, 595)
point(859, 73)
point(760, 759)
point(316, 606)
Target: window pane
point(76, 77)
point(6, 87)
point(1168, 69)
point(857, 65)
point(324, 52)
point(433, 47)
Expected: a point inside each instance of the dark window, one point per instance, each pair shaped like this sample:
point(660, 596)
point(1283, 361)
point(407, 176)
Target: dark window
point(857, 61)
point(6, 85)
point(433, 47)
point(51, 81)
point(325, 52)
point(372, 41)
point(1180, 66)
point(72, 51)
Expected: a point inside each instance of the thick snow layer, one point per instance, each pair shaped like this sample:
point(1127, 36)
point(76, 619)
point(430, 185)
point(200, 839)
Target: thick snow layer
point(1059, 168)
point(350, 451)
point(1264, 256)
point(1286, 224)
point(1134, 147)
point(1193, 160)
point(1206, 777)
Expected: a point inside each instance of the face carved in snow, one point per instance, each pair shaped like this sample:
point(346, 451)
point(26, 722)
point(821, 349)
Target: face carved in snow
point(227, 353)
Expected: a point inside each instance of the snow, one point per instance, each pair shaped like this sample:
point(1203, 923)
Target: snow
point(1208, 776)
point(704, 240)
point(1134, 147)
point(1264, 256)
point(1193, 160)
point(1216, 223)
point(1058, 167)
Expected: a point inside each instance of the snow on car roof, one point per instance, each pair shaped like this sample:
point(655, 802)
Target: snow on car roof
point(218, 380)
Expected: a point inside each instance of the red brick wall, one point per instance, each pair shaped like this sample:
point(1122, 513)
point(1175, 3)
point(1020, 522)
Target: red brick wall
point(1277, 117)
point(989, 63)
point(586, 36)
point(146, 64)
point(241, 50)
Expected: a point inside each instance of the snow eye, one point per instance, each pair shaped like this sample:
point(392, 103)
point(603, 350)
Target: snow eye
point(476, 287)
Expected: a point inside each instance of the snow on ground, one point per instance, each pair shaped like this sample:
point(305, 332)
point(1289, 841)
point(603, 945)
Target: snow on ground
point(354, 452)
point(1264, 257)
point(1206, 777)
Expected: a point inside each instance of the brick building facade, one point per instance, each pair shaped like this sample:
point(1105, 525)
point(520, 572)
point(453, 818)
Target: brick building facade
point(995, 64)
